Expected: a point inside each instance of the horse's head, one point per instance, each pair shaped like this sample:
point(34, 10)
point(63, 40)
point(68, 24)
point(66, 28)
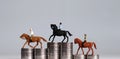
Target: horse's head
point(77, 40)
point(54, 27)
point(23, 36)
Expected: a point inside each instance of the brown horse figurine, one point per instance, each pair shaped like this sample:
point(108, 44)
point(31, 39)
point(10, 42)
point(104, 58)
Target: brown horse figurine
point(32, 39)
point(86, 45)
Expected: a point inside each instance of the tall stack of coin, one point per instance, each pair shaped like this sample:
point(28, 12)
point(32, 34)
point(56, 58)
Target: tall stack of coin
point(39, 53)
point(52, 52)
point(26, 53)
point(66, 51)
point(59, 52)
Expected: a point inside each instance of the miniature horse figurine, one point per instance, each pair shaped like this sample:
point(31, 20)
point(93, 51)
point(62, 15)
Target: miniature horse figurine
point(33, 39)
point(86, 45)
point(58, 32)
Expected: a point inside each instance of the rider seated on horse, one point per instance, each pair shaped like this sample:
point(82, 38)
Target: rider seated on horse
point(60, 25)
point(85, 35)
point(31, 33)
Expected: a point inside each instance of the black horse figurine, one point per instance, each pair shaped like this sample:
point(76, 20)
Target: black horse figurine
point(59, 32)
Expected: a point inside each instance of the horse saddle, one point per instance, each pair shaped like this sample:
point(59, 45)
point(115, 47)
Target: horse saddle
point(31, 39)
point(83, 43)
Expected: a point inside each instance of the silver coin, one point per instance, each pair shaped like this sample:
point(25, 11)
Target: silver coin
point(39, 53)
point(92, 56)
point(52, 50)
point(66, 50)
point(26, 53)
point(86, 56)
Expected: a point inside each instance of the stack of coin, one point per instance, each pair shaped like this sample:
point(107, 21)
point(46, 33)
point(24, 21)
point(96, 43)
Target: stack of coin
point(26, 53)
point(91, 56)
point(52, 52)
point(79, 56)
point(66, 50)
point(39, 53)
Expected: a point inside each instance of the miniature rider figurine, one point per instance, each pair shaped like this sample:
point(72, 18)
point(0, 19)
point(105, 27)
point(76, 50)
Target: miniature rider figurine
point(85, 35)
point(31, 33)
point(60, 25)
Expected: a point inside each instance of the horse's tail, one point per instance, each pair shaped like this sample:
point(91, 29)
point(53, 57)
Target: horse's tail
point(44, 39)
point(94, 45)
point(69, 33)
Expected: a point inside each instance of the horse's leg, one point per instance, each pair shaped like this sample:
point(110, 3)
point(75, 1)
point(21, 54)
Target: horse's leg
point(92, 51)
point(40, 44)
point(77, 51)
point(82, 51)
point(36, 45)
point(53, 38)
point(88, 51)
point(63, 39)
point(67, 38)
point(30, 45)
point(50, 37)
point(24, 44)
